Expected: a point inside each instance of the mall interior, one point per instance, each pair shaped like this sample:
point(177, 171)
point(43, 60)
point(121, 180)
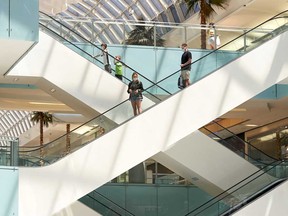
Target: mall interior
point(70, 144)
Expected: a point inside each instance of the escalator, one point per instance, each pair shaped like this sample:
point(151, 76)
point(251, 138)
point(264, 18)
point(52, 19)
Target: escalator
point(140, 200)
point(244, 193)
point(159, 127)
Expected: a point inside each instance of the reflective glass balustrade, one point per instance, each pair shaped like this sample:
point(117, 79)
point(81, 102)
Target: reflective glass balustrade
point(244, 192)
point(153, 33)
point(186, 200)
point(91, 51)
point(230, 140)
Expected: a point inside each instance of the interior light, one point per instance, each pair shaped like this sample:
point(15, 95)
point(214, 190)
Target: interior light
point(83, 129)
point(239, 110)
point(46, 103)
point(251, 125)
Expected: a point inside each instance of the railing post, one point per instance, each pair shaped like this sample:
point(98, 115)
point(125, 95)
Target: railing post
point(155, 35)
point(14, 159)
point(185, 34)
point(245, 40)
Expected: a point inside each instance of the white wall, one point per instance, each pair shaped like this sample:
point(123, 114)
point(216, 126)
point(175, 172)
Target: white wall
point(46, 190)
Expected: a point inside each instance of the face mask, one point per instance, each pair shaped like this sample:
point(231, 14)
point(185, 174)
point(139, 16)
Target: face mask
point(135, 79)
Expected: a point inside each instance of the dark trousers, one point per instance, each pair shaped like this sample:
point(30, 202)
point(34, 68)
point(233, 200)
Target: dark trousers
point(118, 76)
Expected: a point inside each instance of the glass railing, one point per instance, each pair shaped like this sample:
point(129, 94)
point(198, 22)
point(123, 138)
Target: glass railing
point(156, 199)
point(9, 151)
point(236, 144)
point(9, 187)
point(19, 20)
point(279, 24)
point(203, 64)
point(201, 67)
point(244, 192)
point(104, 205)
point(5, 155)
point(90, 50)
point(90, 131)
point(155, 33)
point(143, 199)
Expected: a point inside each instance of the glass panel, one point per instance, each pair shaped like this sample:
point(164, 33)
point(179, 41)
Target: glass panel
point(84, 134)
point(141, 200)
point(242, 193)
point(112, 202)
point(9, 190)
point(5, 154)
point(24, 19)
point(222, 135)
point(143, 33)
point(172, 196)
point(4, 18)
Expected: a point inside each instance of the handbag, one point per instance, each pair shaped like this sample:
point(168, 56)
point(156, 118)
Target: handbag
point(108, 68)
point(180, 82)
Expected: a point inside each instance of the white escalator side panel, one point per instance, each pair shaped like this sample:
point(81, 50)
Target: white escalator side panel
point(49, 189)
point(273, 203)
point(208, 164)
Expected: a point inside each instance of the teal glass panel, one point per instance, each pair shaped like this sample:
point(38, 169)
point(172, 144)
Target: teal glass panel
point(145, 200)
point(172, 196)
point(4, 18)
point(9, 191)
point(19, 19)
point(104, 200)
point(24, 19)
point(141, 200)
point(196, 198)
point(156, 64)
point(276, 91)
point(282, 90)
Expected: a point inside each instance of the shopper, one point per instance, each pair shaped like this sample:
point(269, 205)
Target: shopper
point(105, 55)
point(186, 60)
point(118, 67)
point(135, 89)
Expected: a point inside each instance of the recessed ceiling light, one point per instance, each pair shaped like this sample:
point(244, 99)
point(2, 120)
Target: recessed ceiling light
point(239, 110)
point(46, 103)
point(251, 125)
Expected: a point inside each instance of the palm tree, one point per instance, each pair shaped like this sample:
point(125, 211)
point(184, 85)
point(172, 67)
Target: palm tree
point(143, 35)
point(205, 13)
point(45, 119)
point(68, 137)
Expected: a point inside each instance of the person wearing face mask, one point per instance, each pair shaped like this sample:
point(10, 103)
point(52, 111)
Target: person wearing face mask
point(135, 89)
point(186, 60)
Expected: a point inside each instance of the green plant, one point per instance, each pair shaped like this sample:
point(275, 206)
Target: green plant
point(144, 35)
point(206, 11)
point(44, 118)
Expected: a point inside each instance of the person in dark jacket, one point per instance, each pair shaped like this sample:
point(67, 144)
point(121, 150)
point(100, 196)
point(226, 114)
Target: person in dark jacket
point(186, 60)
point(135, 89)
